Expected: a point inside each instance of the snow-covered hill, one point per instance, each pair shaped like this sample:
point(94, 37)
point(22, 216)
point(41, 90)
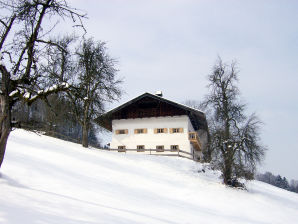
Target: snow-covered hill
point(45, 180)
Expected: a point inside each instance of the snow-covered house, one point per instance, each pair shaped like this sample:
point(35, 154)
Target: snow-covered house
point(152, 122)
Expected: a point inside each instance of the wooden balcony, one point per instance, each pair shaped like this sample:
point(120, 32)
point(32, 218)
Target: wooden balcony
point(195, 140)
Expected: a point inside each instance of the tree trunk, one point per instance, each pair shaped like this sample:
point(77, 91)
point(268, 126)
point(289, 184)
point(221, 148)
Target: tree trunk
point(85, 124)
point(227, 173)
point(5, 124)
point(3, 140)
point(227, 170)
point(85, 135)
point(5, 112)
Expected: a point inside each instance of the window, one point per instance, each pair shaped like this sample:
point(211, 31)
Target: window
point(160, 130)
point(121, 131)
point(174, 148)
point(121, 148)
point(141, 131)
point(176, 130)
point(159, 148)
point(193, 135)
point(140, 148)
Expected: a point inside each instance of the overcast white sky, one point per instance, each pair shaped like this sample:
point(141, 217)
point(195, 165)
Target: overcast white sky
point(171, 45)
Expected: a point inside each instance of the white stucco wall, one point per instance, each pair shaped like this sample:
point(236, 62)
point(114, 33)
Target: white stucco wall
point(151, 140)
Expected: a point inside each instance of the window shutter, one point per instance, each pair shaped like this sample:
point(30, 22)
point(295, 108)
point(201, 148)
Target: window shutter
point(126, 131)
point(171, 130)
point(155, 130)
point(181, 130)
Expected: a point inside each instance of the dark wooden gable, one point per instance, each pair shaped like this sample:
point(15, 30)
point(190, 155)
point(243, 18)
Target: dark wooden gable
point(149, 105)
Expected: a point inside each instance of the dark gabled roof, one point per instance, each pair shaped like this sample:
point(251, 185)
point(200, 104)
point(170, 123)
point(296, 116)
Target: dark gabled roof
point(196, 117)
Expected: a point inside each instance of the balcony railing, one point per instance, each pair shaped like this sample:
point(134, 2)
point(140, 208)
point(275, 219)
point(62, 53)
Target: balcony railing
point(195, 140)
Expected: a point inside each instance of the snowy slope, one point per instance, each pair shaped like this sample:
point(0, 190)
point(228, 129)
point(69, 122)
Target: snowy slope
point(45, 180)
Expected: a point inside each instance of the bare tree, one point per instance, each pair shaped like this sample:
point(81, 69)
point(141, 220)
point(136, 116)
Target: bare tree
point(95, 82)
point(235, 139)
point(23, 42)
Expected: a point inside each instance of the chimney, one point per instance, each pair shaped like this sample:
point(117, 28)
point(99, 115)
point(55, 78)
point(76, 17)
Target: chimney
point(158, 93)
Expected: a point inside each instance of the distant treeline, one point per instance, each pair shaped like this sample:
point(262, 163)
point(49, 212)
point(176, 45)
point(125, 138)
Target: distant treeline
point(278, 181)
point(54, 118)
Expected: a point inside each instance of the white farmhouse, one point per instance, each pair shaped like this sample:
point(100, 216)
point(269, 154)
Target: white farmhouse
point(152, 123)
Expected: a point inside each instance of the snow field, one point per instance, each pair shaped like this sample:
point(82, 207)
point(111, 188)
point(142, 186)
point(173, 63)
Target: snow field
point(46, 180)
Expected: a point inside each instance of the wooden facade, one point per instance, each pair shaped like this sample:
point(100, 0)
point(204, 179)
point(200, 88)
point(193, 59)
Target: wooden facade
point(195, 140)
point(148, 107)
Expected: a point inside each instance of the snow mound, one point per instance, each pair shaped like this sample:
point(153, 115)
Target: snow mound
point(46, 180)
